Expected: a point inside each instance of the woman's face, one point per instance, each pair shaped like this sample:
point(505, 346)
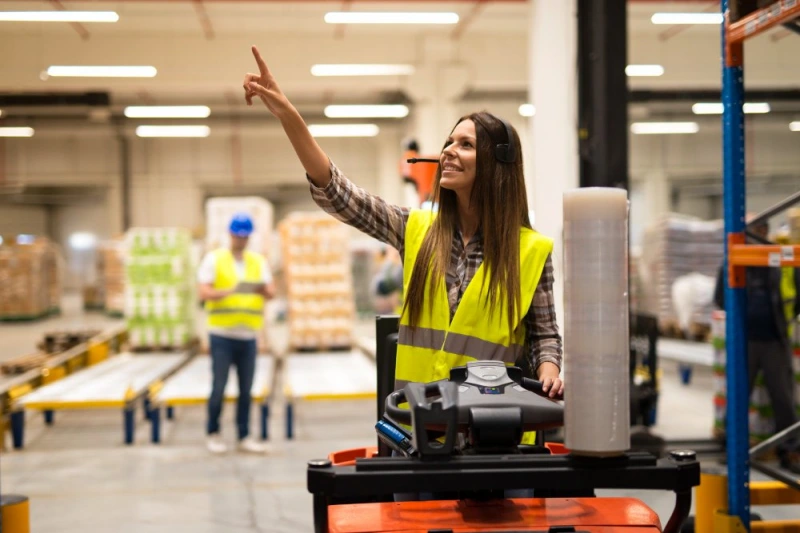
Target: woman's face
point(458, 158)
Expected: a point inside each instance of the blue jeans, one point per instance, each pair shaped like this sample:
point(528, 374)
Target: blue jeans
point(224, 353)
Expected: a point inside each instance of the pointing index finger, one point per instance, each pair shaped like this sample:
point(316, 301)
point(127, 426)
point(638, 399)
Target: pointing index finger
point(262, 66)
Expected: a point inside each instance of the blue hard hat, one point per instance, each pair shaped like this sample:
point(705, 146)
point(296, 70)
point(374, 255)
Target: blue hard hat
point(241, 225)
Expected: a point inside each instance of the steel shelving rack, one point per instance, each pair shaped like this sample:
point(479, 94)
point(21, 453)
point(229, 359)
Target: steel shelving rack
point(738, 254)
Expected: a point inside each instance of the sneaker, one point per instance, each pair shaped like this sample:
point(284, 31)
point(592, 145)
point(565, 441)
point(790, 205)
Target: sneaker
point(216, 444)
point(252, 446)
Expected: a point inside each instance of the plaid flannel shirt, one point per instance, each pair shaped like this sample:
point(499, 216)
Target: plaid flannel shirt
point(387, 223)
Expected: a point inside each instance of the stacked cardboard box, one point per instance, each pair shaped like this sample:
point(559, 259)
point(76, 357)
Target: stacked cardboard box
point(111, 266)
point(676, 246)
point(319, 285)
point(30, 280)
point(159, 288)
point(220, 211)
point(794, 225)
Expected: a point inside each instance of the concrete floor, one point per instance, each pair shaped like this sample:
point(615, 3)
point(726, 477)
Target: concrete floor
point(81, 478)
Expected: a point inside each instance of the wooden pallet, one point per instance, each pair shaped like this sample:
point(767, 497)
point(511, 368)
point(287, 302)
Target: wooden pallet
point(321, 348)
point(24, 363)
point(670, 329)
point(61, 341)
point(191, 345)
point(24, 318)
point(700, 332)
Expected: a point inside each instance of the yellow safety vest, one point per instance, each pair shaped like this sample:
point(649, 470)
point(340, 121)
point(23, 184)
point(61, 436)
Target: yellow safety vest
point(428, 352)
point(788, 295)
point(236, 310)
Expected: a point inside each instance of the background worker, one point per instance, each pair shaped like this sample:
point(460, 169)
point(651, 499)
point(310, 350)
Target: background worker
point(234, 283)
point(773, 303)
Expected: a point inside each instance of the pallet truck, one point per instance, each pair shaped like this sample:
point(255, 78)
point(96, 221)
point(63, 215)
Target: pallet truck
point(463, 446)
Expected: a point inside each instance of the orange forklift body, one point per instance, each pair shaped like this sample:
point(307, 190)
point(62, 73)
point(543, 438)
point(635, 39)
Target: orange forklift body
point(595, 515)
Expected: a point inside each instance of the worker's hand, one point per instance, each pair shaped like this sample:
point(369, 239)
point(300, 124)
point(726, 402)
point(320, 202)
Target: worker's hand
point(265, 87)
point(551, 382)
point(223, 293)
point(268, 291)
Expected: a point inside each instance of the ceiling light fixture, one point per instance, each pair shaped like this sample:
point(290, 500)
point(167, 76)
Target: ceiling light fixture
point(716, 108)
point(173, 131)
point(366, 111)
point(644, 70)
point(794, 126)
point(527, 110)
point(664, 128)
point(343, 130)
point(102, 72)
point(174, 111)
point(58, 16)
point(687, 18)
point(361, 70)
point(355, 17)
point(16, 132)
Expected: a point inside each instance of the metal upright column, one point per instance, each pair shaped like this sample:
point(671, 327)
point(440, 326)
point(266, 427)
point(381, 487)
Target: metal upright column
point(733, 180)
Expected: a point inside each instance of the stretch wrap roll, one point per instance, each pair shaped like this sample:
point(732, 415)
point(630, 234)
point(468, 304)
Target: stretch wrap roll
point(596, 339)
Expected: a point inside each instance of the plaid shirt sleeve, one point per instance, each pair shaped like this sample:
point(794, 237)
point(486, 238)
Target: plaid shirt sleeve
point(542, 339)
point(356, 207)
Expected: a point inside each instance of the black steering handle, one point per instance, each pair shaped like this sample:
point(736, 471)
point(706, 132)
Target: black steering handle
point(434, 389)
point(538, 387)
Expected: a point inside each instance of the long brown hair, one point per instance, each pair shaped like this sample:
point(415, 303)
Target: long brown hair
point(499, 195)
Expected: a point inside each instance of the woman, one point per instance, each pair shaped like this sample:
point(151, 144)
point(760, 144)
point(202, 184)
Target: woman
point(481, 230)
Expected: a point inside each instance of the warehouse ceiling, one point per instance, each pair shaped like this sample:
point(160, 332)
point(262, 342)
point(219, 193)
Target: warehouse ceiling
point(201, 52)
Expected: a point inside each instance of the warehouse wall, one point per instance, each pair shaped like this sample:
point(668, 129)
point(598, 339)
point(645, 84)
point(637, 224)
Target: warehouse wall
point(772, 161)
point(16, 219)
point(85, 217)
point(179, 172)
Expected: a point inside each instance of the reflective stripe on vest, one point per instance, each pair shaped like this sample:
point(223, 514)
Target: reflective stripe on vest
point(788, 295)
point(457, 343)
point(236, 310)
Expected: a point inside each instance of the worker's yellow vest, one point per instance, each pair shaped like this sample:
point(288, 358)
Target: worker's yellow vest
point(427, 352)
point(236, 310)
point(788, 295)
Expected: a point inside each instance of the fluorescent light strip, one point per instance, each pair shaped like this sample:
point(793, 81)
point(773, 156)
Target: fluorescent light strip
point(756, 108)
point(716, 108)
point(102, 72)
point(708, 108)
point(644, 70)
point(58, 16)
point(663, 128)
point(343, 130)
point(355, 17)
point(794, 126)
point(175, 111)
point(16, 132)
point(366, 111)
point(687, 18)
point(361, 70)
point(527, 110)
point(173, 131)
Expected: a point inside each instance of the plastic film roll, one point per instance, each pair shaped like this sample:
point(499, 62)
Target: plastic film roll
point(596, 339)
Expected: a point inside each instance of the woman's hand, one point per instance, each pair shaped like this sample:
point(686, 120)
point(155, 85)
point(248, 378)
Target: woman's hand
point(265, 87)
point(552, 385)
